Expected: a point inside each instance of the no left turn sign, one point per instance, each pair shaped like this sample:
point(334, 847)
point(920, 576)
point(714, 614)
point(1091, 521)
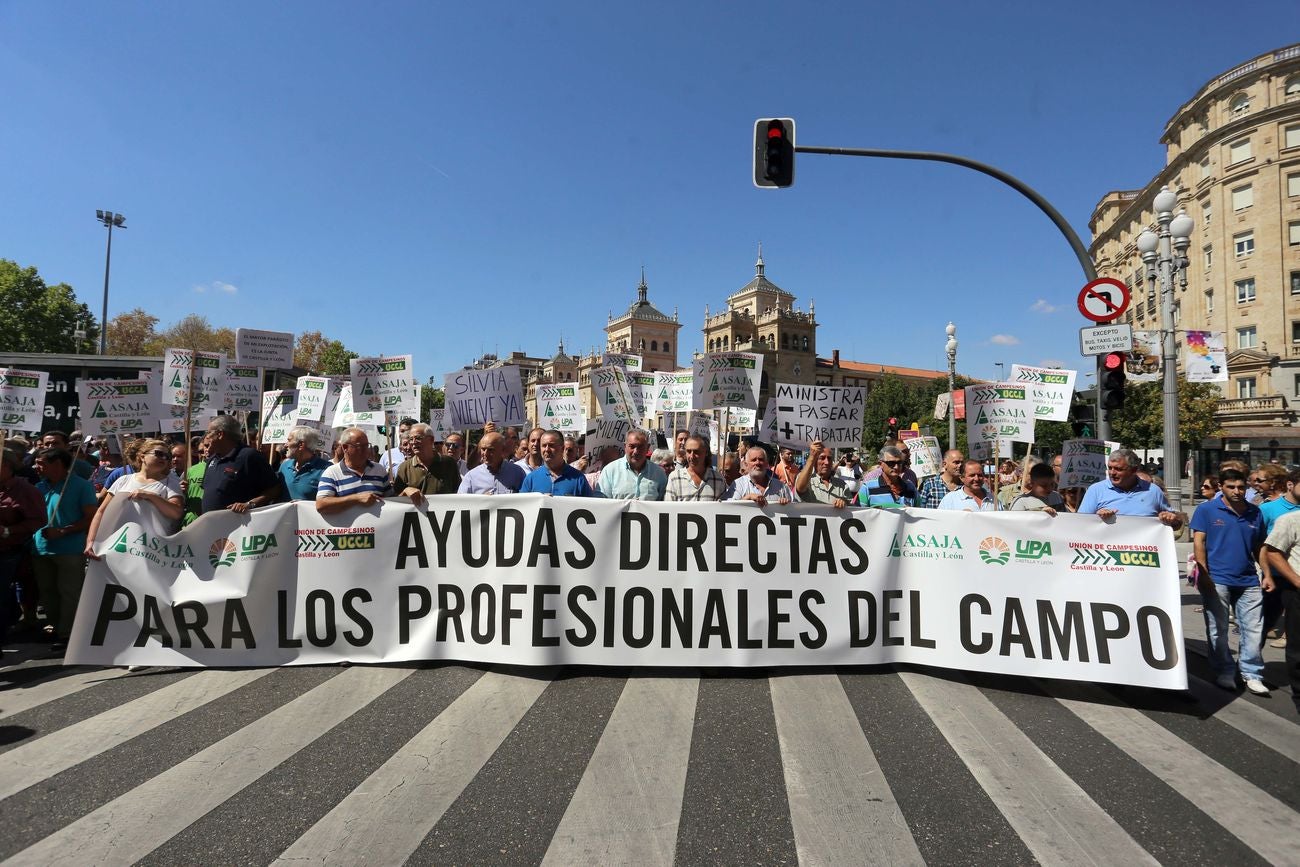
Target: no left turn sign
point(1103, 299)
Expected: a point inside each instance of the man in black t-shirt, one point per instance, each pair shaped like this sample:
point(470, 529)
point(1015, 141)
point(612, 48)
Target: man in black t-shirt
point(238, 477)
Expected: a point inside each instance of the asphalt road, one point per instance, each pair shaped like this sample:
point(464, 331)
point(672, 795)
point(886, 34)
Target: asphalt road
point(455, 764)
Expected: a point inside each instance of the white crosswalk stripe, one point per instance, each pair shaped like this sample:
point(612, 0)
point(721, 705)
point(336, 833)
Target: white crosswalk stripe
point(626, 803)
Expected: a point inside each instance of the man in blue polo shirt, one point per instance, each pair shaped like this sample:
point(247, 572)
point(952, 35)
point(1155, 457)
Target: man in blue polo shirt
point(554, 476)
point(1227, 535)
point(302, 466)
point(1123, 493)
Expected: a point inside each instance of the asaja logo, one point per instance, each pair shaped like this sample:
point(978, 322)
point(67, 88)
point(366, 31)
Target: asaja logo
point(222, 553)
point(994, 551)
point(928, 546)
point(156, 549)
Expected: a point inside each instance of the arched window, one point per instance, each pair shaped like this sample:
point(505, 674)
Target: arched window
point(805, 343)
point(1292, 88)
point(785, 341)
point(654, 345)
point(771, 341)
point(666, 349)
point(710, 344)
point(1239, 105)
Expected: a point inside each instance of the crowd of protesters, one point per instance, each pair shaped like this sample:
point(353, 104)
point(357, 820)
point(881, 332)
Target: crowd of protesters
point(54, 498)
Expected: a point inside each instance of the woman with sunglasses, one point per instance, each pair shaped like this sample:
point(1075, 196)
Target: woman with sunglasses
point(1209, 487)
point(150, 497)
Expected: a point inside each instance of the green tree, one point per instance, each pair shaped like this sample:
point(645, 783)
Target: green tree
point(894, 397)
point(35, 317)
point(335, 359)
point(1139, 424)
point(431, 397)
point(132, 333)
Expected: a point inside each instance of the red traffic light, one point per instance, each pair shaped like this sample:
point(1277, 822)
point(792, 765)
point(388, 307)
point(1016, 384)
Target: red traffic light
point(775, 130)
point(1113, 360)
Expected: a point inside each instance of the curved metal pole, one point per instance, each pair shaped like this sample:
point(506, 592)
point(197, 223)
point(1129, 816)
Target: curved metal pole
point(1071, 237)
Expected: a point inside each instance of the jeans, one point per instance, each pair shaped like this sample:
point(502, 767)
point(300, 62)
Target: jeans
point(1248, 604)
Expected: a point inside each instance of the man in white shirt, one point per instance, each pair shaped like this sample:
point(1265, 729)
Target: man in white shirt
point(633, 476)
point(760, 485)
point(972, 496)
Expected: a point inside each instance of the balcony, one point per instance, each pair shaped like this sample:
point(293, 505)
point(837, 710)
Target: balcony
point(1242, 411)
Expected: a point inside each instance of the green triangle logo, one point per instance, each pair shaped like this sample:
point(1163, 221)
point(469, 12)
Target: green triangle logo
point(365, 387)
point(549, 412)
point(99, 411)
point(176, 380)
point(119, 544)
point(981, 418)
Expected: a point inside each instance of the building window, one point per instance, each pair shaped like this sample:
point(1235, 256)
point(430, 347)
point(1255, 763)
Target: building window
point(1238, 151)
point(1292, 88)
point(1295, 283)
point(666, 346)
point(1243, 244)
point(1207, 211)
point(1205, 168)
point(1247, 337)
point(1296, 385)
point(1246, 291)
point(1293, 233)
point(1209, 257)
point(1295, 331)
point(1209, 300)
point(1239, 105)
point(1293, 184)
point(654, 345)
point(1291, 136)
point(1243, 197)
point(1246, 387)
point(1142, 311)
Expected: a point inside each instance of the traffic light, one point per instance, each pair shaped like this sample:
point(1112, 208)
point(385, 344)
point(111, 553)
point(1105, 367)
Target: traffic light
point(1082, 419)
point(774, 152)
point(1113, 378)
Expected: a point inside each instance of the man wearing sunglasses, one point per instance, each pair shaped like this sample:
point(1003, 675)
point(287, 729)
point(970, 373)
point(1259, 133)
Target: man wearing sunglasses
point(891, 489)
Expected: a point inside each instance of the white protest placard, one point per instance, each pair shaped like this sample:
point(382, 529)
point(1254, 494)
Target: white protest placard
point(927, 457)
point(983, 451)
point(113, 406)
point(609, 384)
point(347, 415)
point(641, 386)
point(803, 413)
point(438, 421)
point(603, 432)
point(243, 388)
point(1082, 463)
point(272, 349)
point(1051, 390)
point(22, 398)
point(476, 397)
point(999, 411)
point(200, 375)
point(726, 379)
point(279, 413)
point(559, 407)
point(1205, 358)
point(313, 394)
point(382, 383)
point(673, 390)
point(741, 418)
point(942, 403)
point(623, 361)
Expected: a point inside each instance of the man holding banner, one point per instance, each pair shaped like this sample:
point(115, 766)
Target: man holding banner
point(354, 481)
point(818, 482)
point(425, 471)
point(237, 477)
point(555, 477)
point(494, 474)
point(1123, 493)
point(972, 496)
point(760, 485)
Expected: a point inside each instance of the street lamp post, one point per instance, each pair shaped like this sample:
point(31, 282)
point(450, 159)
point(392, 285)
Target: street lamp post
point(111, 220)
point(951, 347)
point(1164, 252)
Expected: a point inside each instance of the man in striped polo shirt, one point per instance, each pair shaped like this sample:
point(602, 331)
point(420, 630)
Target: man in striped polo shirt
point(354, 481)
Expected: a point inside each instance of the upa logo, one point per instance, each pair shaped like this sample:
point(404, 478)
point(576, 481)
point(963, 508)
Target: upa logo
point(222, 553)
point(994, 551)
point(1033, 551)
point(256, 545)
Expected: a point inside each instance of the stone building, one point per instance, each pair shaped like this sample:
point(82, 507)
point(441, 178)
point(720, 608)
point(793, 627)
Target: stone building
point(1232, 155)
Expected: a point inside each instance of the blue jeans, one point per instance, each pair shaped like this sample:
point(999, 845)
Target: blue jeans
point(1248, 604)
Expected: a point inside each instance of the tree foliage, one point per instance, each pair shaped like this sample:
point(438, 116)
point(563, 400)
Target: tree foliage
point(1140, 423)
point(894, 397)
point(36, 317)
point(133, 333)
point(431, 397)
point(321, 355)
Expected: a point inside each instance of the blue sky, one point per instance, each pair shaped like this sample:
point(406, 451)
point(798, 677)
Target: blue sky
point(446, 179)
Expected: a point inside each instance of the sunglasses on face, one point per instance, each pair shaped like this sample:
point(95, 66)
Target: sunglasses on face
point(892, 463)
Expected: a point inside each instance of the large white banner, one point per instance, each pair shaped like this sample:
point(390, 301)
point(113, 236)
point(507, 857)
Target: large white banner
point(803, 413)
point(476, 397)
point(726, 379)
point(534, 580)
point(1051, 390)
point(115, 406)
point(559, 407)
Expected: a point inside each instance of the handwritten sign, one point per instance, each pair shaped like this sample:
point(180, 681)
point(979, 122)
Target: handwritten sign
point(476, 397)
point(603, 432)
point(726, 379)
point(803, 413)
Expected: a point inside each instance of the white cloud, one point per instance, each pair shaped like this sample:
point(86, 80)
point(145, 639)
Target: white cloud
point(1004, 339)
point(1041, 306)
point(216, 286)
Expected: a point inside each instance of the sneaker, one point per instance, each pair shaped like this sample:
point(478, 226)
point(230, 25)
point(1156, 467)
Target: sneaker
point(1256, 686)
point(1227, 681)
point(1278, 642)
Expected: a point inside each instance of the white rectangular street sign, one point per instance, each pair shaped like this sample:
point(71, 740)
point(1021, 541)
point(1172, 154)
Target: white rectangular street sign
point(1100, 339)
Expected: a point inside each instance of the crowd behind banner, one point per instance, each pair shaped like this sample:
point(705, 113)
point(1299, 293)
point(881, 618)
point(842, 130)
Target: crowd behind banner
point(60, 495)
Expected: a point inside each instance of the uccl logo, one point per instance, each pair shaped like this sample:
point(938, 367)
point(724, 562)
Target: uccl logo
point(222, 553)
point(994, 551)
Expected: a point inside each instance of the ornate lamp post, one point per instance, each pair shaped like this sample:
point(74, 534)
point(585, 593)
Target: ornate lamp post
point(951, 347)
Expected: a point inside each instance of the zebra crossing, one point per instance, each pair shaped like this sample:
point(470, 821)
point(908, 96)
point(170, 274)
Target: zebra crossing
point(455, 764)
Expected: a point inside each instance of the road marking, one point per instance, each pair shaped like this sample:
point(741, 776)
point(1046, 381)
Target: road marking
point(841, 806)
point(1270, 729)
point(628, 803)
point(133, 825)
point(38, 692)
point(1057, 820)
point(385, 818)
point(1256, 818)
point(60, 750)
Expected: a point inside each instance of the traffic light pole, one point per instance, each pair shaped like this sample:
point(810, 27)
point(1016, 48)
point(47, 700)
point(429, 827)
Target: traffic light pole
point(1071, 237)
